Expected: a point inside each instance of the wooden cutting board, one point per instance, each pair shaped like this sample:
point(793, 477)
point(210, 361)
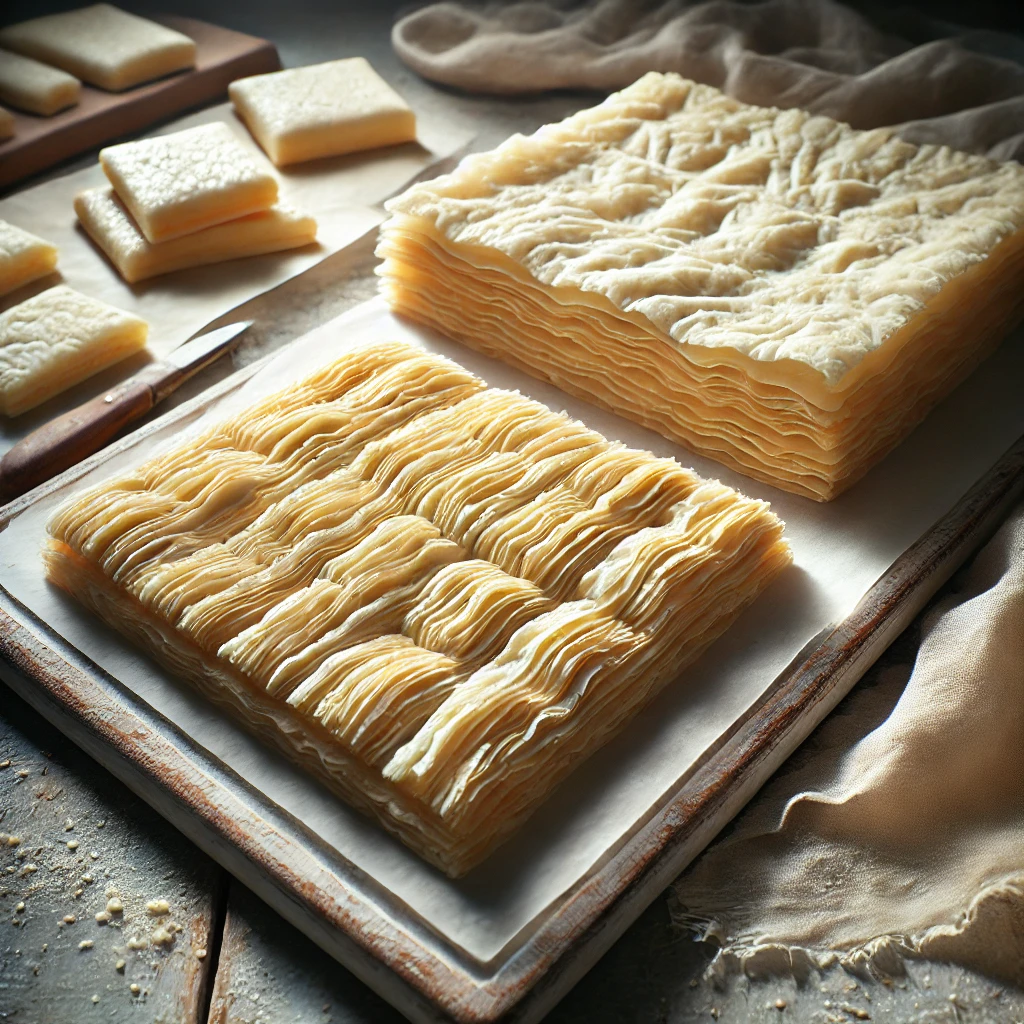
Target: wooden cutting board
point(221, 56)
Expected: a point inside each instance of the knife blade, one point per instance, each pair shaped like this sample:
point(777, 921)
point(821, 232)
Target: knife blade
point(73, 436)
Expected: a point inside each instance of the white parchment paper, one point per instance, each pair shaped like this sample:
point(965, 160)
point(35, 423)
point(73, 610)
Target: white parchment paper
point(840, 550)
point(342, 193)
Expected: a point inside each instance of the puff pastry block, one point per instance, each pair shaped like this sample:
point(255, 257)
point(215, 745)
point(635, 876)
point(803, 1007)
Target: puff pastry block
point(102, 45)
point(111, 227)
point(436, 596)
point(38, 88)
point(322, 110)
point(176, 184)
point(770, 288)
point(55, 340)
point(24, 257)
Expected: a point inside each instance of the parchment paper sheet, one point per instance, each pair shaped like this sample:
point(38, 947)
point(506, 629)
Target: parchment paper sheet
point(339, 192)
point(840, 548)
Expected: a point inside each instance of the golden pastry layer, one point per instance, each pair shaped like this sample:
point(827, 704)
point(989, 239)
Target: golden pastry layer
point(437, 596)
point(769, 287)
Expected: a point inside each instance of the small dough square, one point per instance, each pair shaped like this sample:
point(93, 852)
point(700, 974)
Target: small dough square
point(55, 340)
point(176, 184)
point(24, 257)
point(322, 110)
point(111, 227)
point(29, 85)
point(102, 45)
point(6, 124)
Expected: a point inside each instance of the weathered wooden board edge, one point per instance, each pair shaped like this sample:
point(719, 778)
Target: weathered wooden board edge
point(334, 903)
point(40, 143)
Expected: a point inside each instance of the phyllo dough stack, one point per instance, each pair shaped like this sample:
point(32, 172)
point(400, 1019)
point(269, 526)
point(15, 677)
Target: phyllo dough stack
point(437, 596)
point(768, 287)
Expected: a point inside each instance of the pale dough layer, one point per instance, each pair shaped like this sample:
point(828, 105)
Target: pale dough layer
point(322, 110)
point(38, 88)
point(437, 596)
point(57, 339)
point(177, 184)
point(111, 227)
point(102, 45)
point(791, 295)
point(24, 257)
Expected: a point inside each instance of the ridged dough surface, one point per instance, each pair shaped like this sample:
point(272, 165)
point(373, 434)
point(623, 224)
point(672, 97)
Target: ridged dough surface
point(177, 184)
point(36, 87)
point(439, 597)
point(112, 228)
point(322, 110)
point(57, 339)
point(786, 257)
point(24, 257)
point(102, 45)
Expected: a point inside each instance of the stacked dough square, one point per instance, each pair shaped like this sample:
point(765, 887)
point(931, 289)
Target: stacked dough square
point(187, 199)
point(771, 288)
point(57, 338)
point(436, 596)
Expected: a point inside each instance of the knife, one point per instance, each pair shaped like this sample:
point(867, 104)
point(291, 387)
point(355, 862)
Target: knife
point(71, 437)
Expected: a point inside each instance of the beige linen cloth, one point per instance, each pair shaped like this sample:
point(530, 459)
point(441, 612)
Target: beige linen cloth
point(899, 827)
point(965, 90)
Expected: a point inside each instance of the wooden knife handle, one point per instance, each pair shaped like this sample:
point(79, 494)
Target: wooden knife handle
point(71, 437)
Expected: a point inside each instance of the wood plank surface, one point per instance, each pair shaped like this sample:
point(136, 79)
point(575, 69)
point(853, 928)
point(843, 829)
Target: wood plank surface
point(222, 55)
point(71, 840)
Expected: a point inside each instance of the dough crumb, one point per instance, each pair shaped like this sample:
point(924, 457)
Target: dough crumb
point(157, 908)
point(85, 944)
point(72, 844)
point(200, 954)
point(134, 988)
point(120, 965)
point(114, 905)
point(69, 918)
point(161, 937)
point(103, 917)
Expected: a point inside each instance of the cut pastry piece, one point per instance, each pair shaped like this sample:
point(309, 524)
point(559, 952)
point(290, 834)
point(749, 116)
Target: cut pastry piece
point(38, 88)
point(176, 184)
point(438, 597)
point(57, 339)
point(6, 124)
point(322, 110)
point(111, 227)
point(102, 45)
point(770, 288)
point(23, 257)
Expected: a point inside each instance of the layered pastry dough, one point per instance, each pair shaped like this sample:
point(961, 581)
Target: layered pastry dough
point(111, 227)
point(437, 596)
point(24, 257)
point(322, 110)
point(38, 88)
point(768, 287)
point(102, 45)
point(57, 339)
point(177, 184)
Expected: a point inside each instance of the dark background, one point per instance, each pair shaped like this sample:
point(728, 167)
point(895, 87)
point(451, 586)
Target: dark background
point(256, 15)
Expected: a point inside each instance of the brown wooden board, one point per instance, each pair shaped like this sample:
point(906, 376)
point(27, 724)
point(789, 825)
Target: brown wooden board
point(222, 55)
point(356, 919)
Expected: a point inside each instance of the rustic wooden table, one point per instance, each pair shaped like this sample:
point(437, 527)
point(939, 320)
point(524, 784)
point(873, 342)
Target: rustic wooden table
point(74, 842)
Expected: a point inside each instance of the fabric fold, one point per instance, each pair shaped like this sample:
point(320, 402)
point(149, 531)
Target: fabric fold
point(964, 88)
point(900, 827)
